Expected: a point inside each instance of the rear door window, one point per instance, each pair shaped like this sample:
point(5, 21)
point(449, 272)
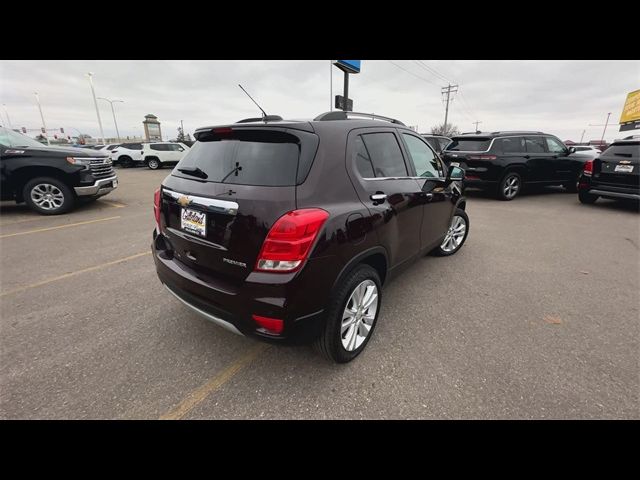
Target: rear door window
point(362, 160)
point(509, 145)
point(462, 144)
point(251, 157)
point(385, 154)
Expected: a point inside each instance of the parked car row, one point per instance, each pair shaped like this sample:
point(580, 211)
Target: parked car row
point(154, 154)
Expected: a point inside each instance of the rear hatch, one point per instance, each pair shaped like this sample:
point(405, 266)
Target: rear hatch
point(468, 152)
point(223, 197)
point(619, 166)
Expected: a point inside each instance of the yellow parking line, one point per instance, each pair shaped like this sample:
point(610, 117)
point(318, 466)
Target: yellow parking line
point(58, 227)
point(113, 204)
point(72, 274)
point(198, 395)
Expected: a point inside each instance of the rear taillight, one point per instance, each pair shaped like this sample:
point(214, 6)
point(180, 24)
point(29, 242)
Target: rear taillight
point(270, 325)
point(289, 241)
point(157, 199)
point(482, 157)
point(588, 168)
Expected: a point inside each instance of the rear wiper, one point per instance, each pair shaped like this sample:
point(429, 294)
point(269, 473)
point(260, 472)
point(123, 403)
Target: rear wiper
point(195, 171)
point(235, 170)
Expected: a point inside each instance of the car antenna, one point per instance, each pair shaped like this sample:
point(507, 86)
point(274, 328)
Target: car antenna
point(264, 114)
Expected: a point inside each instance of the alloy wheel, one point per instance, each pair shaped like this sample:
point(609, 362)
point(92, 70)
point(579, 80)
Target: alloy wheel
point(511, 186)
point(47, 196)
point(455, 234)
point(359, 315)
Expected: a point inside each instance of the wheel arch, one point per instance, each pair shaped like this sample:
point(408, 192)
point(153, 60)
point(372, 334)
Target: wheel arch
point(376, 257)
point(22, 175)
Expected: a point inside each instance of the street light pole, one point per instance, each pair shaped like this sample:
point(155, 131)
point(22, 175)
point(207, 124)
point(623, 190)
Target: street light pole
point(7, 114)
point(114, 114)
point(95, 102)
point(44, 125)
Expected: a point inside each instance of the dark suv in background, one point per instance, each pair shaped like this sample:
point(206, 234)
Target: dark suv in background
point(51, 180)
point(614, 174)
point(287, 230)
point(506, 161)
point(437, 142)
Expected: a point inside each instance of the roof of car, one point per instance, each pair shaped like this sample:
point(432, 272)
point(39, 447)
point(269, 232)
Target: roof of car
point(502, 133)
point(627, 141)
point(336, 118)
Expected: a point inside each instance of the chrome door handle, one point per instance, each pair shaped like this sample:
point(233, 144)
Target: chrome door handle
point(378, 197)
point(428, 196)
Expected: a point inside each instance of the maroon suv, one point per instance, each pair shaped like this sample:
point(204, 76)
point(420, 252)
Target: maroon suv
point(287, 230)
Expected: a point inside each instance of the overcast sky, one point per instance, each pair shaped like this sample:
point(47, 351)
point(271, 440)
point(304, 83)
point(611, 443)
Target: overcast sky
point(558, 97)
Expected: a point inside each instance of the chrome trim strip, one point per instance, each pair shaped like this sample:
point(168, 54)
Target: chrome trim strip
point(215, 204)
point(96, 187)
point(208, 316)
point(605, 193)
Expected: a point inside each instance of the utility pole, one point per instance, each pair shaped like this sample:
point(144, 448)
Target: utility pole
point(476, 124)
point(448, 90)
point(583, 132)
point(7, 114)
point(605, 127)
point(44, 125)
point(114, 115)
point(182, 129)
point(95, 102)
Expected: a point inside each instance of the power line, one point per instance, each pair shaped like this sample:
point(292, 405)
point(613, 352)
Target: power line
point(411, 73)
point(432, 70)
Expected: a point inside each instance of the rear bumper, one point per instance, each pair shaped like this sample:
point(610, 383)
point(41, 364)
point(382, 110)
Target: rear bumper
point(99, 188)
point(232, 306)
point(613, 194)
point(587, 185)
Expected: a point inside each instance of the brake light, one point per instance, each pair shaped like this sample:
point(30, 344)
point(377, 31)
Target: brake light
point(482, 157)
point(157, 204)
point(222, 131)
point(271, 325)
point(588, 168)
point(289, 241)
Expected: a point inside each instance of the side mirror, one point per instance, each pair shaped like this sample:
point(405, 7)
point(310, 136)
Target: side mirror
point(572, 150)
point(455, 173)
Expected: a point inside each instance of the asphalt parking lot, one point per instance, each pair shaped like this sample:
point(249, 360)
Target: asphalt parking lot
point(536, 317)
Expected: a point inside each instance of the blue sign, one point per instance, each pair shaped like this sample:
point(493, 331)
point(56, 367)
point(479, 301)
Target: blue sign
point(349, 66)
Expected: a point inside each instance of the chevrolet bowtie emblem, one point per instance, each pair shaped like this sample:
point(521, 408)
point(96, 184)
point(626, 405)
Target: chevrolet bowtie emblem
point(184, 201)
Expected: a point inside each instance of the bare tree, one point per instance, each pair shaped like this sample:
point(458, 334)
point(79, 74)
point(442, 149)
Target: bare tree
point(447, 130)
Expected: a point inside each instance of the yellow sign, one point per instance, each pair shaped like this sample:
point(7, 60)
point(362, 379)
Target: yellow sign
point(631, 109)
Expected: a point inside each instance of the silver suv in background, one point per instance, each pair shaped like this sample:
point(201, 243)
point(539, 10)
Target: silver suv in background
point(152, 154)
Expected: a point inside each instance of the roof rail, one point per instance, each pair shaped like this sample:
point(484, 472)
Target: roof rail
point(342, 115)
point(515, 131)
point(267, 118)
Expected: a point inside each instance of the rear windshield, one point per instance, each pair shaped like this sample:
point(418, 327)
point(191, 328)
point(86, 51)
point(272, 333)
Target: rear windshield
point(469, 144)
point(627, 150)
point(251, 157)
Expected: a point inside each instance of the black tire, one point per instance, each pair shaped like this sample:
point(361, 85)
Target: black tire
point(57, 188)
point(586, 197)
point(439, 251)
point(502, 192)
point(329, 342)
point(125, 161)
point(153, 164)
